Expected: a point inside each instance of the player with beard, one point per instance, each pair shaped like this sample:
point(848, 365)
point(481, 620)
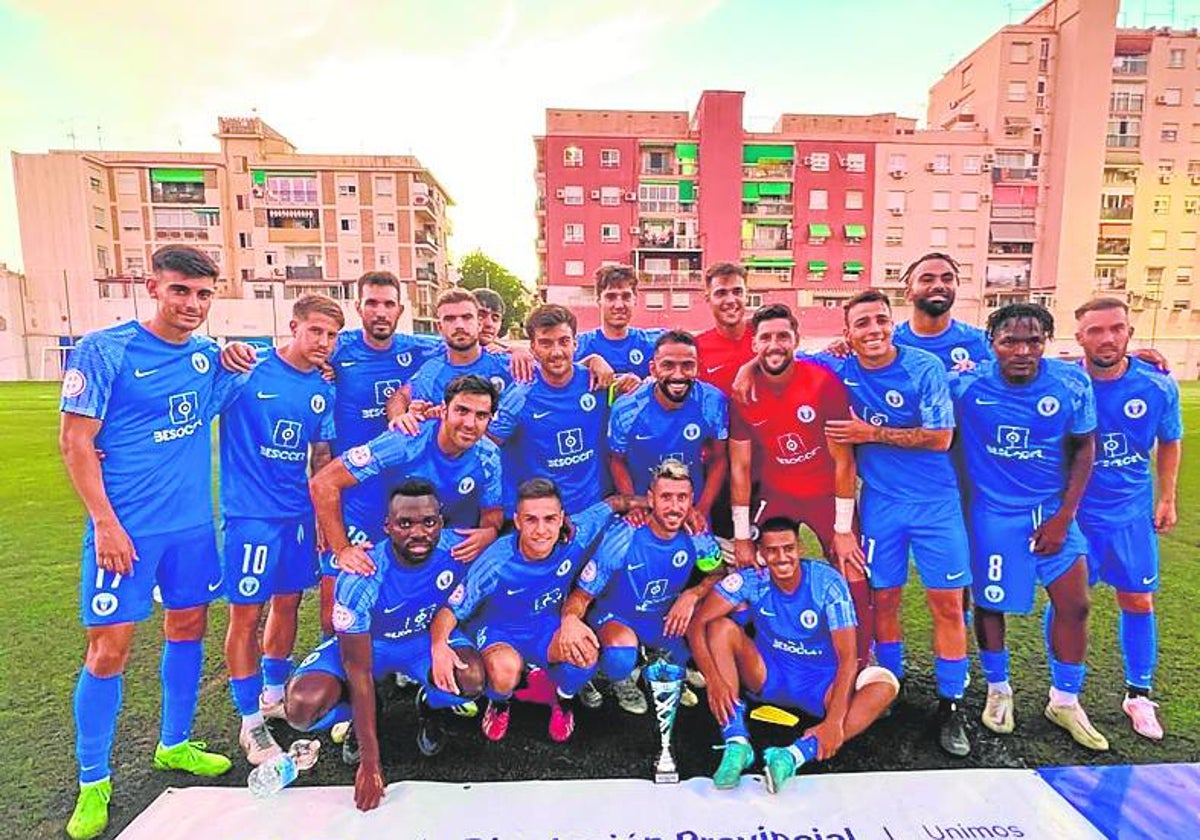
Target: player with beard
point(627, 349)
point(930, 285)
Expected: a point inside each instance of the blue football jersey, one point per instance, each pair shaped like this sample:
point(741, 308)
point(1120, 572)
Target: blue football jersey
point(630, 354)
point(555, 433)
point(798, 626)
point(959, 342)
point(465, 485)
point(399, 601)
point(430, 381)
point(1133, 413)
point(912, 392)
point(648, 434)
point(503, 588)
point(267, 424)
point(155, 400)
point(636, 573)
point(1013, 437)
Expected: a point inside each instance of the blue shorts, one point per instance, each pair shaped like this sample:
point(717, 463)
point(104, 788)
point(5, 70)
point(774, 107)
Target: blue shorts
point(1123, 554)
point(265, 557)
point(647, 628)
point(531, 641)
point(1006, 571)
point(183, 565)
point(933, 532)
point(410, 657)
point(793, 683)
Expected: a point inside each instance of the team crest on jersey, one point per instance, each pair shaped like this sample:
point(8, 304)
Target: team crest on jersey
point(248, 586)
point(691, 431)
point(732, 583)
point(806, 414)
point(960, 354)
point(563, 568)
point(680, 559)
point(104, 604)
point(1135, 409)
point(894, 398)
point(498, 383)
point(637, 356)
point(457, 596)
point(466, 485)
point(445, 579)
point(200, 362)
point(404, 359)
point(317, 403)
point(808, 619)
point(1048, 406)
point(587, 402)
point(359, 456)
point(74, 383)
point(589, 572)
point(343, 619)
point(993, 593)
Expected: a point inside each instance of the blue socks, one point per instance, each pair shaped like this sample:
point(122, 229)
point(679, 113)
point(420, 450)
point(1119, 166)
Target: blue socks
point(951, 676)
point(276, 671)
point(995, 665)
point(1139, 647)
point(97, 704)
point(804, 749)
point(1067, 677)
point(736, 728)
point(570, 678)
point(245, 693)
point(890, 655)
point(338, 714)
point(181, 665)
point(617, 663)
point(495, 696)
point(435, 698)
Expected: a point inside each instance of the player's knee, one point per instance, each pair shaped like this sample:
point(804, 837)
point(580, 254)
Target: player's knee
point(106, 656)
point(503, 670)
point(244, 619)
point(617, 663)
point(723, 630)
point(1075, 608)
point(1136, 602)
point(185, 625)
point(616, 634)
point(882, 680)
point(472, 680)
point(305, 703)
point(945, 606)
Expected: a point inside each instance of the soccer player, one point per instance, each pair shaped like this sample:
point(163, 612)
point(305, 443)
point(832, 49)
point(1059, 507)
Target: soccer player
point(382, 622)
point(1027, 428)
point(1137, 407)
point(728, 345)
point(452, 453)
point(930, 284)
point(636, 586)
point(143, 393)
point(672, 417)
point(627, 349)
point(554, 427)
point(902, 427)
point(510, 602)
point(802, 656)
point(781, 435)
point(269, 421)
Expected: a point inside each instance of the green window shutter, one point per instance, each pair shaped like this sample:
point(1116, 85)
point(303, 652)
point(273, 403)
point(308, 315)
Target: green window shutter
point(749, 191)
point(687, 190)
point(260, 177)
point(856, 231)
point(777, 154)
point(820, 230)
point(177, 176)
point(775, 188)
point(852, 267)
point(818, 266)
point(771, 262)
point(687, 151)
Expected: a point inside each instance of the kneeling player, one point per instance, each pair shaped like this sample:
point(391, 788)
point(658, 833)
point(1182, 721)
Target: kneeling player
point(802, 655)
point(637, 579)
point(382, 625)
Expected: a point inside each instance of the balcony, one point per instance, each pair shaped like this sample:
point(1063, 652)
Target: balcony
point(1128, 66)
point(304, 272)
point(1114, 283)
point(769, 171)
point(1122, 141)
point(1014, 173)
point(184, 233)
point(1119, 213)
point(655, 240)
point(177, 193)
point(783, 243)
point(293, 235)
point(673, 279)
point(1005, 277)
point(766, 279)
point(426, 275)
point(767, 208)
point(658, 208)
point(1112, 247)
point(425, 239)
point(1010, 249)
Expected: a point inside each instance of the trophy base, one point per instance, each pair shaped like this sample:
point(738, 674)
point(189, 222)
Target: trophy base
point(666, 777)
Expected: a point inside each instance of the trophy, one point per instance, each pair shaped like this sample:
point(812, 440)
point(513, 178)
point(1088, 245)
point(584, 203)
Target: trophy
point(666, 685)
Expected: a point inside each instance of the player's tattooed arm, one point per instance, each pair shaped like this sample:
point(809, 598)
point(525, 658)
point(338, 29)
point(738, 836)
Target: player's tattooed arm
point(321, 455)
point(356, 660)
point(1167, 459)
point(326, 488)
point(683, 610)
point(77, 443)
point(831, 732)
point(622, 503)
point(721, 694)
point(1049, 537)
point(856, 431)
point(618, 468)
point(847, 552)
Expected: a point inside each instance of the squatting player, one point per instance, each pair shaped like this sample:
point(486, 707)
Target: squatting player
point(1137, 407)
point(626, 348)
point(1027, 429)
point(802, 656)
point(144, 394)
point(269, 419)
point(382, 623)
point(636, 587)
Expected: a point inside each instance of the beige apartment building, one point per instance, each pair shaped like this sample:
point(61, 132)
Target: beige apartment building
point(278, 223)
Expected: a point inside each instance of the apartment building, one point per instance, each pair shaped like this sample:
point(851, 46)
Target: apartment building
point(278, 223)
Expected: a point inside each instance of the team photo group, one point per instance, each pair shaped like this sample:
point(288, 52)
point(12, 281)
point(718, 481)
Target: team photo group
point(607, 517)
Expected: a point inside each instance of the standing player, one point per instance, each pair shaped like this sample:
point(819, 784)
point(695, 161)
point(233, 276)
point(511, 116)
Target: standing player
point(510, 605)
point(382, 624)
point(144, 394)
point(902, 427)
point(802, 655)
point(728, 344)
point(781, 435)
point(672, 417)
point(627, 349)
point(268, 423)
point(1027, 427)
point(637, 581)
point(930, 285)
point(1137, 406)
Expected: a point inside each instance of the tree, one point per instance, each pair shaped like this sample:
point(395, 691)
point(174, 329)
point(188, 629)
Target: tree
point(479, 271)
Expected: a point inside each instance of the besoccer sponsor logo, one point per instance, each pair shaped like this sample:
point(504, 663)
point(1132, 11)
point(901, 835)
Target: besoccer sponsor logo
point(317, 403)
point(959, 355)
point(547, 599)
point(1013, 442)
point(384, 389)
point(287, 439)
point(444, 579)
point(680, 559)
point(796, 648)
point(806, 414)
point(636, 356)
point(1135, 409)
point(808, 619)
point(74, 383)
point(894, 398)
point(359, 456)
point(587, 402)
point(691, 431)
point(183, 412)
point(1114, 451)
point(200, 362)
point(104, 604)
point(1048, 406)
point(655, 591)
point(570, 449)
point(466, 485)
point(792, 449)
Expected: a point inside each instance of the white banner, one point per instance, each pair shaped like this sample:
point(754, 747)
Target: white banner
point(915, 805)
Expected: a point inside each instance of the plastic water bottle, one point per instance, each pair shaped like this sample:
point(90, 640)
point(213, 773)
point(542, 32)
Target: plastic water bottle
point(272, 776)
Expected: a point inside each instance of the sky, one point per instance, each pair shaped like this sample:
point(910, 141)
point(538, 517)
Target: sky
point(462, 85)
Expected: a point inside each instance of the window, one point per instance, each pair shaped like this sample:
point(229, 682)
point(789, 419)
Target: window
point(102, 259)
point(658, 198)
point(1126, 98)
point(239, 164)
point(891, 272)
point(856, 162)
point(1161, 205)
point(1183, 276)
point(897, 164)
point(131, 220)
point(1187, 240)
point(895, 202)
point(573, 156)
point(818, 200)
point(966, 271)
point(385, 225)
point(1191, 205)
point(1196, 94)
point(127, 182)
point(610, 158)
point(1157, 240)
point(1176, 59)
point(681, 300)
point(385, 185)
point(1170, 132)
point(384, 258)
point(1166, 166)
point(573, 268)
point(287, 190)
point(245, 240)
point(95, 183)
point(347, 185)
point(1154, 276)
point(1020, 52)
point(1181, 304)
point(572, 195)
point(966, 237)
point(1172, 96)
point(610, 196)
point(353, 258)
point(1018, 91)
point(135, 265)
point(272, 258)
point(941, 164)
point(941, 200)
point(655, 300)
point(262, 292)
point(971, 165)
point(819, 161)
point(1196, 132)
point(894, 236)
point(1124, 133)
point(98, 215)
point(572, 232)
point(939, 237)
point(854, 199)
point(968, 201)
point(348, 224)
point(248, 274)
point(240, 200)
point(610, 233)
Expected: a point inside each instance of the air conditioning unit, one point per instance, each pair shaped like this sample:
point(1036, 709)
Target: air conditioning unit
point(1160, 100)
point(896, 211)
point(421, 199)
point(929, 167)
point(806, 160)
point(985, 198)
point(595, 195)
point(277, 272)
point(841, 159)
point(635, 230)
point(560, 193)
point(1164, 177)
point(631, 196)
point(897, 173)
point(258, 192)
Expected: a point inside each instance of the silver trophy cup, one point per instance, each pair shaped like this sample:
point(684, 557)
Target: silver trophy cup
point(666, 685)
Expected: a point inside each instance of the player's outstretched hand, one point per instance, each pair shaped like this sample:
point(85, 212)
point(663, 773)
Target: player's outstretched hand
point(328, 371)
point(626, 383)
point(238, 357)
point(1152, 356)
point(600, 372)
point(742, 389)
point(849, 432)
point(445, 663)
point(475, 540)
point(369, 788)
point(114, 548)
point(721, 700)
point(1165, 516)
point(355, 560)
point(849, 556)
point(1049, 537)
point(838, 347)
point(408, 423)
point(745, 555)
point(637, 517)
point(830, 736)
point(696, 522)
point(521, 364)
point(680, 615)
point(577, 643)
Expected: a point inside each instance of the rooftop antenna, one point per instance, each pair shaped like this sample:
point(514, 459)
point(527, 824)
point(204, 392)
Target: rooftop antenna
point(99, 137)
point(71, 136)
